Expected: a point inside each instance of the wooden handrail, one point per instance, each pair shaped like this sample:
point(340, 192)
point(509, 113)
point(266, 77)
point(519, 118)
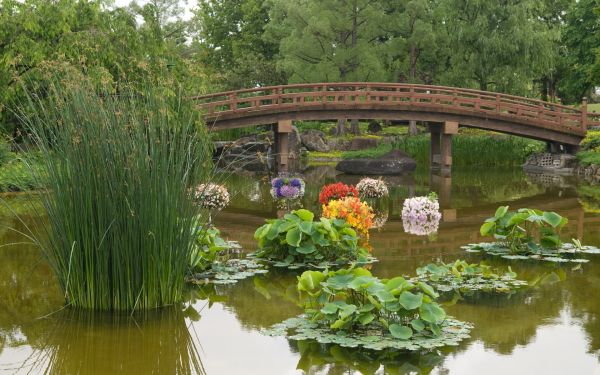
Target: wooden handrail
point(542, 114)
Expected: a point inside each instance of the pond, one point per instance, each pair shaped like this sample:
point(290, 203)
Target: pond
point(552, 328)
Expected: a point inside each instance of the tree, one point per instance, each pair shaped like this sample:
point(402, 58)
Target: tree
point(494, 45)
point(230, 39)
point(329, 41)
point(582, 40)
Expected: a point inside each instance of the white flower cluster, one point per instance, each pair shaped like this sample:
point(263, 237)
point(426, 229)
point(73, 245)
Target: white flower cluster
point(380, 218)
point(421, 215)
point(212, 196)
point(371, 188)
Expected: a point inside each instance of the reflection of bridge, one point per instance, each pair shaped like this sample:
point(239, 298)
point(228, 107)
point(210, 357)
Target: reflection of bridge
point(445, 108)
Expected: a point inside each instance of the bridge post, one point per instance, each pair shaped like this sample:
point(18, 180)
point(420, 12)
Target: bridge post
point(435, 152)
point(282, 145)
point(584, 117)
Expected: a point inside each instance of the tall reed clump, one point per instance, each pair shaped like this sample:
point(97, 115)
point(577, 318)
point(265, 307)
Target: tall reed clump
point(120, 215)
point(475, 150)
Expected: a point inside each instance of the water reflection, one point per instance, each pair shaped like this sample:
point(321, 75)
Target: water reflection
point(82, 342)
point(552, 328)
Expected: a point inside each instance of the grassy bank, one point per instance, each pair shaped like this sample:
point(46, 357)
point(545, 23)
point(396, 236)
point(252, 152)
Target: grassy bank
point(467, 150)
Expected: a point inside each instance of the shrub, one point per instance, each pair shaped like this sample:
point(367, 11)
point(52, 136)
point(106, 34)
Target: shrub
point(297, 239)
point(591, 141)
point(120, 200)
point(338, 190)
point(517, 230)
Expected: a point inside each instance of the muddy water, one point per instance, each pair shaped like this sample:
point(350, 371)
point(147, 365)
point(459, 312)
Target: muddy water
point(553, 328)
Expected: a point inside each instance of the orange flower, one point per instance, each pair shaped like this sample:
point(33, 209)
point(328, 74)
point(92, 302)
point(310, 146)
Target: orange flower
point(356, 213)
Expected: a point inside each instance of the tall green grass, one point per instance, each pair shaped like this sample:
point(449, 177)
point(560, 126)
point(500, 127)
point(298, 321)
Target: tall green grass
point(475, 150)
point(119, 204)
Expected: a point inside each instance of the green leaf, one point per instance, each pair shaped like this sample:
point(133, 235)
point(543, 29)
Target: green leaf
point(553, 219)
point(306, 249)
point(330, 308)
point(432, 313)
point(366, 318)
point(338, 324)
point(306, 227)
point(293, 237)
point(410, 301)
point(501, 211)
point(347, 310)
point(262, 231)
point(400, 332)
point(428, 289)
point(417, 324)
point(310, 280)
point(487, 228)
point(305, 215)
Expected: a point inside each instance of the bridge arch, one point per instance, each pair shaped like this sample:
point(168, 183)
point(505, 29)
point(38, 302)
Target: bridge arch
point(446, 108)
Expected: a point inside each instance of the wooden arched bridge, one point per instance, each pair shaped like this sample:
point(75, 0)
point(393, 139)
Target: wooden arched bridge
point(444, 108)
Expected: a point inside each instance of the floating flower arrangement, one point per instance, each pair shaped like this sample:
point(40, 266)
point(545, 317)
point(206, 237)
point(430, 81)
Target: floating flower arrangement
point(372, 188)
point(421, 215)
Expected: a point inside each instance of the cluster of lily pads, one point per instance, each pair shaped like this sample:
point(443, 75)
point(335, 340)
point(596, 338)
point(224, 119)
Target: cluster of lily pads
point(352, 308)
point(460, 276)
point(215, 260)
point(297, 241)
point(529, 234)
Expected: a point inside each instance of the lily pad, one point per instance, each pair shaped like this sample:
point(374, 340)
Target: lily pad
point(568, 252)
point(228, 272)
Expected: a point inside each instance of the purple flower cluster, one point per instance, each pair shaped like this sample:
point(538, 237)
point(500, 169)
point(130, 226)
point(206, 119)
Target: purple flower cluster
point(421, 215)
point(287, 188)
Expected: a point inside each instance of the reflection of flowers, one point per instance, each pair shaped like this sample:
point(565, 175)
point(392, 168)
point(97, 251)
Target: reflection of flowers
point(421, 215)
point(212, 196)
point(336, 191)
point(287, 188)
point(358, 214)
point(371, 188)
point(380, 218)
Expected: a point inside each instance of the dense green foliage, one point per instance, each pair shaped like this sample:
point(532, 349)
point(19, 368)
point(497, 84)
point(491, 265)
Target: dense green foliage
point(517, 230)
point(298, 240)
point(475, 150)
point(346, 299)
point(121, 222)
point(351, 308)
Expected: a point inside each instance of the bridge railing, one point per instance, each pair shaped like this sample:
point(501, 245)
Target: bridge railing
point(380, 95)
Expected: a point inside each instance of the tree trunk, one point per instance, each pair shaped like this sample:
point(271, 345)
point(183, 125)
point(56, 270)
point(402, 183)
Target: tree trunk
point(412, 128)
point(341, 127)
point(354, 126)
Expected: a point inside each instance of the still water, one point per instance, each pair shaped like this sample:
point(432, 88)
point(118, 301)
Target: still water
point(553, 328)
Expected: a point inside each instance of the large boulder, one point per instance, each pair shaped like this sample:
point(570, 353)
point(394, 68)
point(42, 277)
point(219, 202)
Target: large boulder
point(314, 140)
point(394, 162)
point(374, 127)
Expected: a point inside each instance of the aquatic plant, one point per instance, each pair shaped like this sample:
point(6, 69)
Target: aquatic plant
point(355, 212)
point(209, 244)
point(297, 241)
point(352, 308)
point(372, 188)
point(119, 171)
point(421, 215)
point(338, 190)
point(462, 276)
point(517, 230)
point(228, 271)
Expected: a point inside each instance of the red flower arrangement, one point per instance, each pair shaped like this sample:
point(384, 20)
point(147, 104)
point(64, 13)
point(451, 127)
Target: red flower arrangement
point(336, 191)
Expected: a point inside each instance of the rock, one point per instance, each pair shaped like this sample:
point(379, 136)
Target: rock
point(564, 164)
point(314, 140)
point(363, 143)
point(394, 162)
point(374, 127)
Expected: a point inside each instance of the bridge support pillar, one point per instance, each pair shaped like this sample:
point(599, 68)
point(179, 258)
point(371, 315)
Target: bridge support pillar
point(441, 147)
point(282, 131)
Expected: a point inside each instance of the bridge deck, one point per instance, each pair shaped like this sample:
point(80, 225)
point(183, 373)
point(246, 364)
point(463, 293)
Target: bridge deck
point(507, 113)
